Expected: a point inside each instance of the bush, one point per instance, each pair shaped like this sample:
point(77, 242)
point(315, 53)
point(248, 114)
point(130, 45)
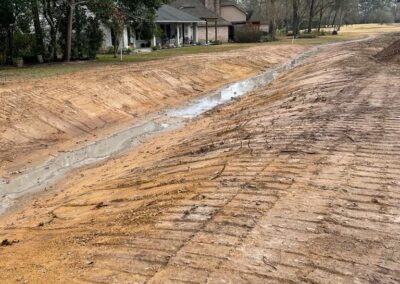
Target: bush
point(94, 37)
point(24, 44)
point(217, 42)
point(267, 38)
point(306, 35)
point(244, 35)
point(127, 50)
point(335, 33)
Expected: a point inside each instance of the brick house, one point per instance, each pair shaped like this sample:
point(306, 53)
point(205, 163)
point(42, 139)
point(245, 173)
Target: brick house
point(214, 26)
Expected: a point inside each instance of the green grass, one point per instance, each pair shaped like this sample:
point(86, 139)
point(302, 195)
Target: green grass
point(173, 52)
point(57, 69)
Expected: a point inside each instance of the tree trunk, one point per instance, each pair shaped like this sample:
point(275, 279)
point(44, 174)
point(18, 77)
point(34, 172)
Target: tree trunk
point(311, 16)
point(38, 29)
point(53, 38)
point(334, 19)
point(10, 36)
point(116, 45)
point(71, 9)
point(321, 14)
point(340, 19)
point(272, 25)
point(295, 18)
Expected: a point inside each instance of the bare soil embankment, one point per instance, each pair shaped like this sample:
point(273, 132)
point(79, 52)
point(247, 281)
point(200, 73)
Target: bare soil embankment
point(43, 116)
point(390, 53)
point(298, 182)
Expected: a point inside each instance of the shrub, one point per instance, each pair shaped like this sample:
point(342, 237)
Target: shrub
point(267, 38)
point(246, 34)
point(24, 44)
point(94, 36)
point(306, 35)
point(217, 42)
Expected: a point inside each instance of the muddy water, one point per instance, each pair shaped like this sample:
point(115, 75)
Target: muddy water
point(54, 169)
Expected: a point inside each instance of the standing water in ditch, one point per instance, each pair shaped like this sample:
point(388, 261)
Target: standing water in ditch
point(38, 178)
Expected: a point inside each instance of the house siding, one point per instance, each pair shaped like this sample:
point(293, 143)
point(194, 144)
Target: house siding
point(223, 33)
point(233, 14)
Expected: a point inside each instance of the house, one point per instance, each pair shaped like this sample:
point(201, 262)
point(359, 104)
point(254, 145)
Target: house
point(187, 22)
point(214, 27)
point(177, 28)
point(235, 14)
point(258, 19)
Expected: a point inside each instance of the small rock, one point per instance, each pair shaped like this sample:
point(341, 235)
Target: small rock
point(7, 242)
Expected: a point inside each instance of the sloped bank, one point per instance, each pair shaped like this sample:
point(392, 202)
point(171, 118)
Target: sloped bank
point(54, 169)
point(39, 118)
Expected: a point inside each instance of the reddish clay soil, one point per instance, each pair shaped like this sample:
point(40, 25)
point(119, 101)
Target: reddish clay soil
point(296, 183)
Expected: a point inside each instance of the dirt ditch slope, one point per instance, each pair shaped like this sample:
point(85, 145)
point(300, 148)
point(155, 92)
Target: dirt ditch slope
point(390, 53)
point(298, 182)
point(41, 117)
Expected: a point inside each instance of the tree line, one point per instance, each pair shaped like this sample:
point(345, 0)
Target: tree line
point(53, 30)
point(294, 15)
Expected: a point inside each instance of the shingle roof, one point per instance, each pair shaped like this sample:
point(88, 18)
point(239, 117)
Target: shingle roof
point(256, 16)
point(197, 9)
point(169, 14)
point(233, 3)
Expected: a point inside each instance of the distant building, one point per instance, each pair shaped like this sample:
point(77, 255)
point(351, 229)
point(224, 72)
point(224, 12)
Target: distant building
point(188, 22)
point(214, 27)
point(177, 28)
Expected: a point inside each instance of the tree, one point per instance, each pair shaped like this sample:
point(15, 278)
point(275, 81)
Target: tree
point(10, 12)
point(40, 50)
point(71, 9)
point(296, 18)
point(53, 11)
point(272, 25)
point(311, 15)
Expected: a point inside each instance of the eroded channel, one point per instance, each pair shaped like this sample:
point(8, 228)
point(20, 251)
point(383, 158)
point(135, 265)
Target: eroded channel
point(54, 169)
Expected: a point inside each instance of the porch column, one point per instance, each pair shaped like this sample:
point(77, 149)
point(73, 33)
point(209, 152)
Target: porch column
point(216, 30)
point(206, 31)
point(183, 34)
point(154, 41)
point(178, 36)
point(195, 33)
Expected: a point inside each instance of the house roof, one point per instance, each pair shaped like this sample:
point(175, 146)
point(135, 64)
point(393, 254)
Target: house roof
point(255, 16)
point(232, 3)
point(197, 9)
point(169, 14)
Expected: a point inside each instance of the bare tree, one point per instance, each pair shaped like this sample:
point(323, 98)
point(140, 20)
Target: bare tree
point(311, 15)
point(296, 18)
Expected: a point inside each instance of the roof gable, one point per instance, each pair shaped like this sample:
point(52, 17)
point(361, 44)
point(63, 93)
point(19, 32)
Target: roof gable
point(225, 3)
point(169, 14)
point(197, 9)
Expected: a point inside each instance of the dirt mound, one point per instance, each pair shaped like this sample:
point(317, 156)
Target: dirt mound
point(390, 53)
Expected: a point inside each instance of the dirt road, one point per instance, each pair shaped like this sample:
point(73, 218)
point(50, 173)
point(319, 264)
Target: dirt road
point(298, 182)
point(40, 117)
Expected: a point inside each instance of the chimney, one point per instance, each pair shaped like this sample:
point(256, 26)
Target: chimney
point(217, 4)
point(213, 5)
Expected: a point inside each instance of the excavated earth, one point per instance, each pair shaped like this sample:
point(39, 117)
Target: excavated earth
point(295, 183)
point(39, 118)
point(390, 53)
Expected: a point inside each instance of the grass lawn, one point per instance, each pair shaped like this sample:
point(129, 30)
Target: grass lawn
point(56, 69)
